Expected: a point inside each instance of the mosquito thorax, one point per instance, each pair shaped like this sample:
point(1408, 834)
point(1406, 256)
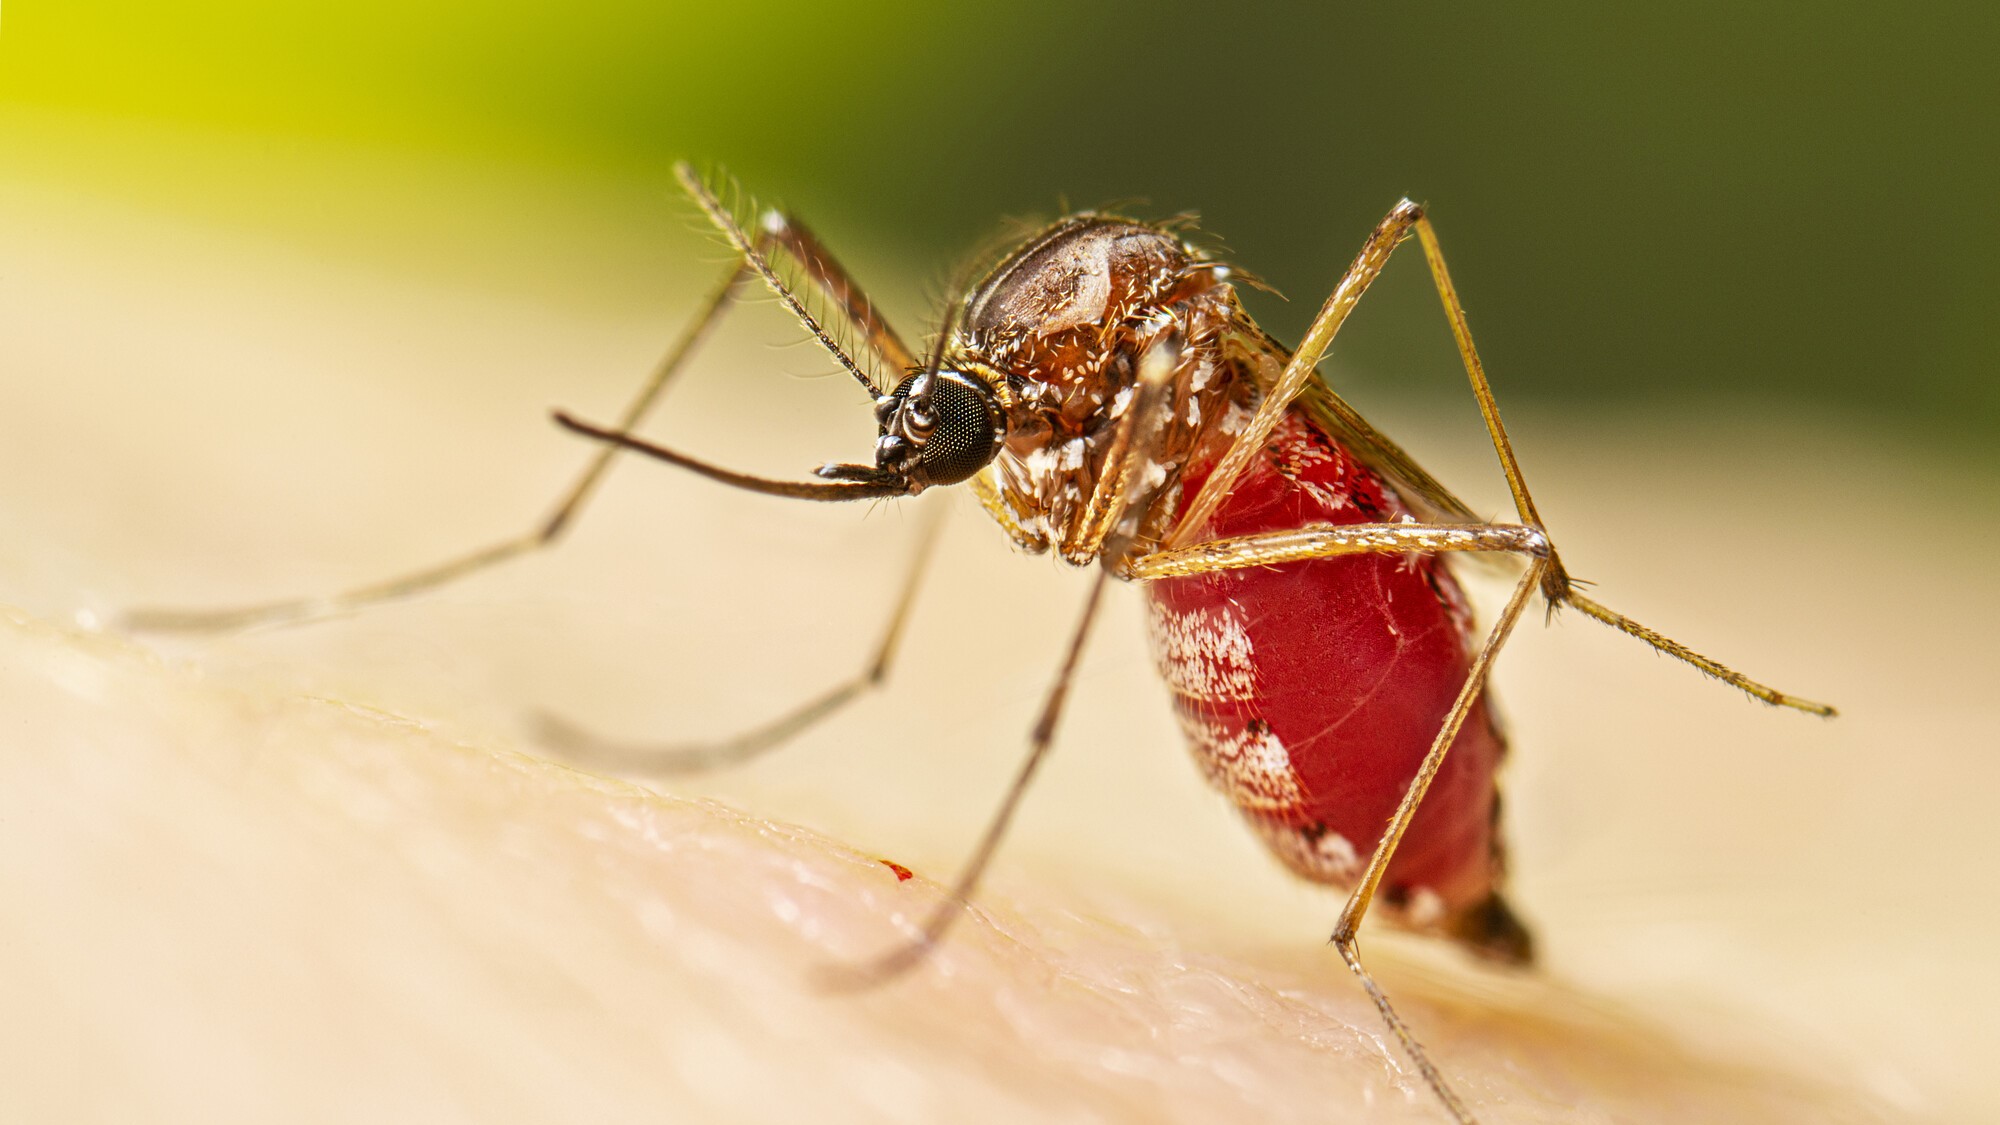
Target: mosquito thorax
point(938, 427)
point(1065, 320)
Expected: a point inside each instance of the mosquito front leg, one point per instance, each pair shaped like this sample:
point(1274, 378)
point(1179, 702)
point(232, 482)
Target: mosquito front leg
point(986, 490)
point(1345, 933)
point(1132, 449)
point(586, 749)
point(777, 233)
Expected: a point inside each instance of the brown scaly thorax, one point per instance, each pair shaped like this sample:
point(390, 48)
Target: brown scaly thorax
point(1058, 328)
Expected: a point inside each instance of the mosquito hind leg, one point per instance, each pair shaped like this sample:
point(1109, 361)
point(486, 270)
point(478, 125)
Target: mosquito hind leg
point(1557, 586)
point(1705, 665)
point(1499, 932)
point(1346, 933)
point(581, 747)
point(1403, 220)
point(1325, 541)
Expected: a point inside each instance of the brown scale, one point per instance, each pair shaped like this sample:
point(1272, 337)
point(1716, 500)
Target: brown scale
point(1057, 329)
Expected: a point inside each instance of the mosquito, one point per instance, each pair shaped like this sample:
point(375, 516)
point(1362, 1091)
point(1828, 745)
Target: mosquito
point(1104, 395)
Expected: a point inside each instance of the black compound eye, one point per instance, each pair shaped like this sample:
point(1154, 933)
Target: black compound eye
point(957, 429)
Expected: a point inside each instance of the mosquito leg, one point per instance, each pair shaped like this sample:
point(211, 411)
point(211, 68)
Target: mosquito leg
point(804, 249)
point(776, 232)
point(1319, 541)
point(1397, 225)
point(832, 282)
point(1681, 652)
point(1132, 446)
point(1402, 220)
point(1275, 548)
point(1328, 541)
point(543, 533)
point(1303, 368)
point(1556, 584)
point(987, 492)
point(583, 748)
point(1344, 934)
point(1040, 738)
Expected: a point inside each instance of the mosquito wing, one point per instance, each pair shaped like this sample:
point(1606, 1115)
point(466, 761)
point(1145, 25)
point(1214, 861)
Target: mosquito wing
point(1426, 497)
point(1430, 500)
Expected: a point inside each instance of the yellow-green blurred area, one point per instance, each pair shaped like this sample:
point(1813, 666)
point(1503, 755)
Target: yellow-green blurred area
point(287, 290)
point(1789, 204)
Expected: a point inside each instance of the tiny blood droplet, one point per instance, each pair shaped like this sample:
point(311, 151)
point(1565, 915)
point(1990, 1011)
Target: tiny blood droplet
point(902, 873)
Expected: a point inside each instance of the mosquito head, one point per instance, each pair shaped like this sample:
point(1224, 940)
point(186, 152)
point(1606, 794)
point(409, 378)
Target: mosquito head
point(938, 427)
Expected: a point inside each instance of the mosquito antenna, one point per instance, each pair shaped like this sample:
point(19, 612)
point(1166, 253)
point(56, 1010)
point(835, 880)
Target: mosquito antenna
point(945, 329)
point(746, 246)
point(877, 486)
point(920, 388)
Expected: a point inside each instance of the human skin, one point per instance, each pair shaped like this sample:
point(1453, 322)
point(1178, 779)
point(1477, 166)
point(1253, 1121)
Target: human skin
point(324, 874)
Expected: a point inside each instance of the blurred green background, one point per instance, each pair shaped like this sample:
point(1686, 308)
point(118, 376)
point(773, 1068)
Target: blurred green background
point(1758, 207)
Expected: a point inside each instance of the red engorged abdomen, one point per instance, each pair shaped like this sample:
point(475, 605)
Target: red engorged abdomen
point(1311, 691)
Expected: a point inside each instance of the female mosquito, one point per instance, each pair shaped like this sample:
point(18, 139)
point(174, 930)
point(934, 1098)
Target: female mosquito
point(1105, 396)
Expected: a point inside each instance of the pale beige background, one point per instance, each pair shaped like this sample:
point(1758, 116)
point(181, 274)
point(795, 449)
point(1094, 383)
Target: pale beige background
point(321, 874)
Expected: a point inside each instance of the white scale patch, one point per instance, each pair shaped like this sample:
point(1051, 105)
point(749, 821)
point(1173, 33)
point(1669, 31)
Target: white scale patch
point(1072, 455)
point(1325, 496)
point(1426, 908)
point(1302, 452)
point(1205, 656)
point(1234, 421)
point(1250, 767)
point(1327, 857)
point(1205, 653)
point(1336, 850)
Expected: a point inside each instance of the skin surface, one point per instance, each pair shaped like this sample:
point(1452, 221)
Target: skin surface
point(321, 875)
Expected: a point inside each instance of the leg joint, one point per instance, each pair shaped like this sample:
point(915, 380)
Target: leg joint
point(1535, 542)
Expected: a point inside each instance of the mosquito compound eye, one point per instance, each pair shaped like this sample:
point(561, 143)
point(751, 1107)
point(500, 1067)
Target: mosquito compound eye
point(965, 429)
point(950, 421)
